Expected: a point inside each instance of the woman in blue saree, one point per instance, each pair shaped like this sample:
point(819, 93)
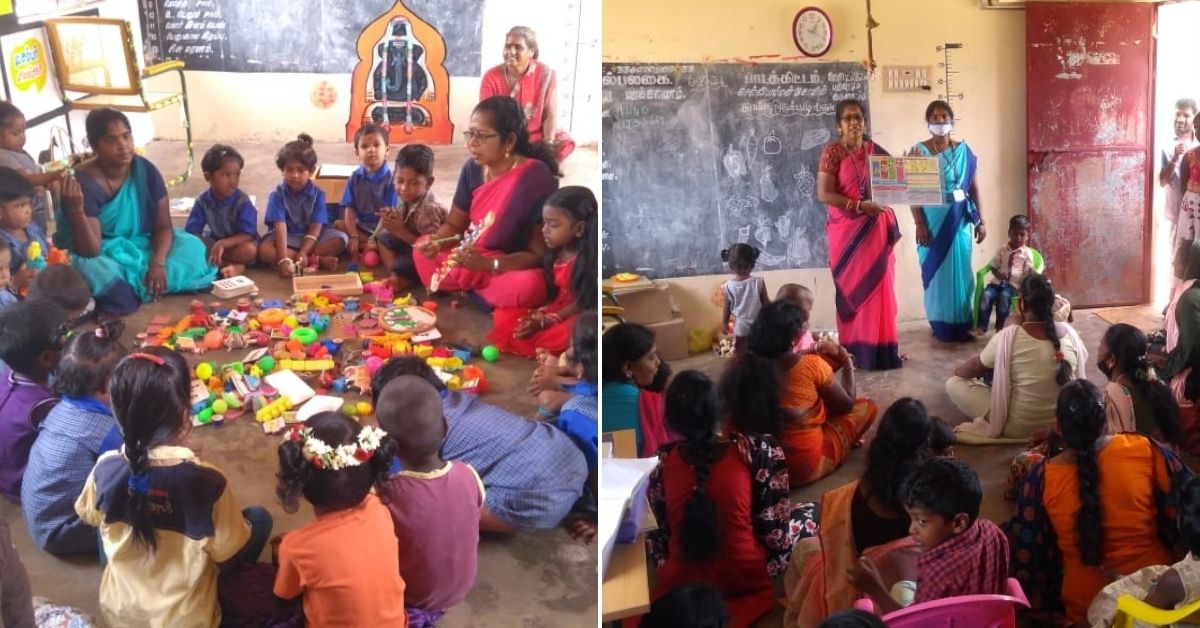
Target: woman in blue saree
point(116, 224)
point(945, 232)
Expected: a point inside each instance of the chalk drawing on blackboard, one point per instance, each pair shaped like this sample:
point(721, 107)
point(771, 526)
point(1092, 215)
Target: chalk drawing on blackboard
point(605, 244)
point(783, 225)
point(762, 230)
point(767, 185)
point(806, 183)
point(813, 138)
point(750, 145)
point(771, 260)
point(743, 233)
point(772, 145)
point(735, 164)
point(799, 252)
point(737, 205)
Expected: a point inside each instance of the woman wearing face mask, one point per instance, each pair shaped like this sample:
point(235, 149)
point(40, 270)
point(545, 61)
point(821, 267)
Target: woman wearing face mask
point(945, 232)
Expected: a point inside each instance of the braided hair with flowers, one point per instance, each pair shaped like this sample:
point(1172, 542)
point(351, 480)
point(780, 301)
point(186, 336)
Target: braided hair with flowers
point(333, 462)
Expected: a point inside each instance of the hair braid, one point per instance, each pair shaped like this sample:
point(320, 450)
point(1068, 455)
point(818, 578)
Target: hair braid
point(1081, 420)
point(1038, 294)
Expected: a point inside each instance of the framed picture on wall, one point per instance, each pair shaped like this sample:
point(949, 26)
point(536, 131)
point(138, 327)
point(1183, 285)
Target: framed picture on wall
point(35, 10)
point(1002, 4)
point(29, 72)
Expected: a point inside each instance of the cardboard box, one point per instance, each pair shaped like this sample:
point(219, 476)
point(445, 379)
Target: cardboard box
point(649, 306)
point(671, 338)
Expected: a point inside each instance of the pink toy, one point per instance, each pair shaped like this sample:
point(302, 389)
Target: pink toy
point(383, 294)
point(984, 611)
point(374, 363)
point(371, 259)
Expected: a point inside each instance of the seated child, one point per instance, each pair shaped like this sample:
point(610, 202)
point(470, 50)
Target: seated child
point(368, 192)
point(64, 285)
point(16, 228)
point(7, 295)
point(1164, 587)
point(942, 498)
point(744, 294)
point(223, 216)
point(434, 503)
point(417, 214)
point(1012, 263)
point(579, 416)
point(30, 341)
point(75, 433)
point(569, 227)
point(346, 562)
point(801, 297)
point(13, 155)
point(532, 471)
point(166, 519)
point(299, 234)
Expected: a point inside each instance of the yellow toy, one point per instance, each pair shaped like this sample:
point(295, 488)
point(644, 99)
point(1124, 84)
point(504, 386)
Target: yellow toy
point(306, 365)
point(402, 301)
point(1130, 608)
point(363, 408)
point(273, 410)
point(445, 364)
point(422, 351)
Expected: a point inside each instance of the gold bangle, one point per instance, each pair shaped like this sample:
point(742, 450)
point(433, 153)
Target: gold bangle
point(310, 236)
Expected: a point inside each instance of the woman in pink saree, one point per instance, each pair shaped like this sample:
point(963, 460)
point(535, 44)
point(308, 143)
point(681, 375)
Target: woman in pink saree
point(862, 235)
point(491, 242)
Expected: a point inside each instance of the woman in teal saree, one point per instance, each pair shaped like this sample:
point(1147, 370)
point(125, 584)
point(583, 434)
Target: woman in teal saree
point(945, 232)
point(116, 224)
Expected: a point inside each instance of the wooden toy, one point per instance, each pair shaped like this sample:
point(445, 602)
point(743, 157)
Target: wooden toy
point(410, 319)
point(473, 234)
point(341, 285)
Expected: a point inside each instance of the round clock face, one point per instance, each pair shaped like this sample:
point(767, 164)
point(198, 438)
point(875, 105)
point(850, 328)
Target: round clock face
point(812, 32)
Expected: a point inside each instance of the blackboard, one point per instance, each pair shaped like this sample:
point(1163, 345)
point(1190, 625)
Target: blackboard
point(317, 36)
point(697, 157)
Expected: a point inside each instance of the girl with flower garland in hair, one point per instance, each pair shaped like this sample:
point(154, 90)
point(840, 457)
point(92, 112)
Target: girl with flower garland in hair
point(166, 519)
point(346, 563)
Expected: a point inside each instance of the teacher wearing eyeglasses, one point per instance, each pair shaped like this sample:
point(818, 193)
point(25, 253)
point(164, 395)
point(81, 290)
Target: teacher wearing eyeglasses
point(862, 236)
point(509, 178)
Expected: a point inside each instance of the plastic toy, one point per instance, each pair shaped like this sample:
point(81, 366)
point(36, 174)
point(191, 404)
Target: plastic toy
point(363, 408)
point(271, 317)
point(204, 371)
point(220, 406)
point(34, 259)
point(490, 353)
point(306, 335)
point(273, 410)
point(266, 363)
point(374, 363)
point(370, 259)
point(214, 339)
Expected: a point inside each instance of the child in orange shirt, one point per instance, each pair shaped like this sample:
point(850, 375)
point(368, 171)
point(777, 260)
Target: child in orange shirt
point(346, 562)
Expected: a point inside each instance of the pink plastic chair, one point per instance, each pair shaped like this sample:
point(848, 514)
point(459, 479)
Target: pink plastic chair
point(964, 611)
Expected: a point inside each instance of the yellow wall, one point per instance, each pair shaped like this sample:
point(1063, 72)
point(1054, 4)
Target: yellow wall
point(992, 116)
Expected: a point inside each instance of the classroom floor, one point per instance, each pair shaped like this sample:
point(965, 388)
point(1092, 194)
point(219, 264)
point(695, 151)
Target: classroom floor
point(527, 580)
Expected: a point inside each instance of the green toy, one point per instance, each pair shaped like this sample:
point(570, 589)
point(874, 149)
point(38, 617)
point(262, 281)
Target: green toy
point(490, 353)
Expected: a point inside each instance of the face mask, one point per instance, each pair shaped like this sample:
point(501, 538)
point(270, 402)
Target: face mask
point(1107, 369)
point(941, 130)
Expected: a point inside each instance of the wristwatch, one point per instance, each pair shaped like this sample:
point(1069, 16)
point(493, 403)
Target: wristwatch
point(495, 265)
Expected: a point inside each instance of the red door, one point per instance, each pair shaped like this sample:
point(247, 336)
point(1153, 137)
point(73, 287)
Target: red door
point(1089, 71)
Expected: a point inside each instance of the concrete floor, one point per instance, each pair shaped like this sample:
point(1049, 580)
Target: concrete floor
point(527, 580)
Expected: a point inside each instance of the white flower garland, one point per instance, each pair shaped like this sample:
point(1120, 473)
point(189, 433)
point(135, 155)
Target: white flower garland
point(323, 456)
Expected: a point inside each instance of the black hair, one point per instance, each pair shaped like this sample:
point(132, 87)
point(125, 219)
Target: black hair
point(585, 350)
point(696, 605)
point(750, 387)
point(412, 415)
point(150, 401)
point(8, 111)
point(1020, 221)
point(942, 438)
point(62, 284)
point(630, 342)
point(218, 155)
point(507, 119)
point(846, 103)
point(934, 106)
point(1038, 295)
point(406, 365)
point(327, 489)
point(299, 150)
point(97, 122)
point(901, 444)
point(945, 486)
point(368, 129)
point(1128, 345)
point(13, 186)
point(852, 618)
point(580, 204)
point(1081, 422)
point(741, 257)
point(88, 359)
point(29, 329)
point(417, 157)
point(1179, 104)
point(691, 410)
point(1189, 515)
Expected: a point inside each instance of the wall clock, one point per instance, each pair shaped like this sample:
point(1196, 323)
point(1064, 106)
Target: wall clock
point(812, 31)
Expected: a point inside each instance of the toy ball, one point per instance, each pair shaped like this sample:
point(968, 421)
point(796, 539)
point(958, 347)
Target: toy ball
point(204, 371)
point(214, 339)
point(220, 406)
point(371, 259)
point(266, 363)
point(490, 353)
point(373, 364)
point(350, 410)
point(363, 408)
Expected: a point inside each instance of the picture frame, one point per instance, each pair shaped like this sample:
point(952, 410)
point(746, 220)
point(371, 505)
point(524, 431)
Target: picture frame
point(1002, 4)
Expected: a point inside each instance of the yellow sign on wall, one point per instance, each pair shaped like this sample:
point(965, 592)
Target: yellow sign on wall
point(27, 65)
point(6, 7)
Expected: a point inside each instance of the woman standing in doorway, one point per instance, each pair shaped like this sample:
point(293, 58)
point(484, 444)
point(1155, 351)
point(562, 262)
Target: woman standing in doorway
point(945, 232)
point(862, 237)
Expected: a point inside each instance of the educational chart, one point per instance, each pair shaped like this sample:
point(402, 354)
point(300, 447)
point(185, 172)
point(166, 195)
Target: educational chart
point(906, 180)
point(697, 157)
point(316, 36)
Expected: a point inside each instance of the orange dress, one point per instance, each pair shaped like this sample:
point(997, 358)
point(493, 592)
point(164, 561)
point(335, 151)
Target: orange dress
point(817, 445)
point(1130, 472)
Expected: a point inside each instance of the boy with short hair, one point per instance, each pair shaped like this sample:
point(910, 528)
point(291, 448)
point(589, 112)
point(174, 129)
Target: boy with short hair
point(66, 287)
point(961, 554)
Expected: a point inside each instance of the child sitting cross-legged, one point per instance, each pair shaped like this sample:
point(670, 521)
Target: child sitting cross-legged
point(30, 342)
point(961, 554)
point(346, 562)
point(75, 433)
point(434, 502)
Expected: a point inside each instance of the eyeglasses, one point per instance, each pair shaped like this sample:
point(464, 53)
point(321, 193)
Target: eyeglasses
point(472, 137)
point(853, 117)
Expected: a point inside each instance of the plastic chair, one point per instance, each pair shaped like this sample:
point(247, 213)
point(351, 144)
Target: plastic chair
point(964, 611)
point(1130, 609)
point(981, 280)
point(95, 57)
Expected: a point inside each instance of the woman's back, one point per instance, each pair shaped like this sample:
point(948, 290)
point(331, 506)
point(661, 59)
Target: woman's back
point(1033, 390)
